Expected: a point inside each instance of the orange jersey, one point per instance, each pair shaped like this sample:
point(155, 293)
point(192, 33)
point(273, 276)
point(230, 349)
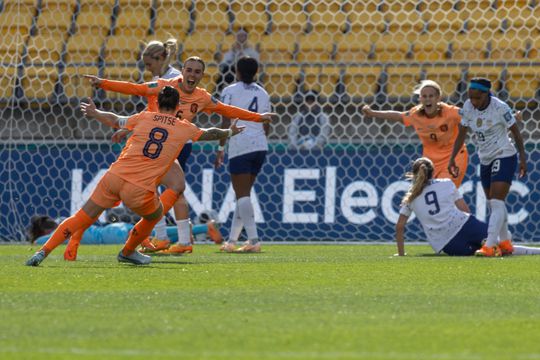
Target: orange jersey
point(190, 104)
point(150, 151)
point(437, 134)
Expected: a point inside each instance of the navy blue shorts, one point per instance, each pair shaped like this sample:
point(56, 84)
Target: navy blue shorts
point(468, 239)
point(502, 169)
point(184, 155)
point(250, 163)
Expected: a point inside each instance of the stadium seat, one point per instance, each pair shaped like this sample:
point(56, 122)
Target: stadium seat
point(469, 46)
point(288, 16)
point(402, 80)
point(327, 79)
point(445, 22)
point(492, 73)
point(405, 22)
point(326, 16)
point(39, 81)
point(430, 47)
point(484, 21)
point(8, 81)
point(523, 19)
point(133, 21)
point(75, 86)
point(173, 19)
point(448, 77)
point(146, 4)
point(361, 82)
point(363, 19)
point(281, 81)
point(393, 7)
point(353, 47)
point(97, 6)
point(94, 24)
point(56, 17)
point(512, 4)
point(122, 49)
point(211, 15)
point(250, 15)
point(315, 47)
point(209, 79)
point(15, 23)
point(11, 47)
point(18, 5)
point(82, 48)
point(203, 44)
point(392, 47)
point(523, 82)
point(122, 73)
point(277, 47)
point(506, 46)
point(45, 48)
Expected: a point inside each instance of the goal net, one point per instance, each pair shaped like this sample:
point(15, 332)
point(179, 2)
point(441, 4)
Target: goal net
point(343, 181)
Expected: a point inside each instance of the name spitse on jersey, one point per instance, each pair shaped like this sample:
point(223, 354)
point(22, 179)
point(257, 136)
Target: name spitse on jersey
point(156, 141)
point(490, 128)
point(436, 210)
point(254, 98)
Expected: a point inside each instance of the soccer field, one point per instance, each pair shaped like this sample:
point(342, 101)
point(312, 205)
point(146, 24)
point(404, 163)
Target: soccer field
point(289, 302)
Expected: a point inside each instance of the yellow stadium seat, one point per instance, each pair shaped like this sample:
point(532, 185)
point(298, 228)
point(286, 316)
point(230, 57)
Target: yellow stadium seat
point(281, 81)
point(469, 46)
point(209, 79)
point(250, 15)
point(97, 6)
point(287, 16)
point(433, 6)
point(277, 47)
point(328, 79)
point(512, 4)
point(56, 17)
point(211, 15)
point(44, 48)
point(448, 77)
point(75, 85)
point(173, 19)
point(484, 21)
point(397, 6)
point(353, 47)
point(430, 47)
point(311, 78)
point(146, 4)
point(202, 44)
point(523, 18)
point(8, 81)
point(11, 47)
point(492, 73)
point(408, 22)
point(362, 20)
point(402, 80)
point(83, 49)
point(315, 47)
point(392, 47)
point(326, 16)
point(443, 21)
point(19, 5)
point(15, 23)
point(506, 46)
point(39, 82)
point(469, 6)
point(133, 22)
point(94, 24)
point(523, 82)
point(361, 81)
point(122, 49)
point(535, 49)
point(122, 73)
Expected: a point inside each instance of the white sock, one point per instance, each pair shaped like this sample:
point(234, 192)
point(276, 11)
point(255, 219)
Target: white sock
point(496, 220)
point(184, 231)
point(236, 225)
point(161, 229)
point(504, 234)
point(525, 250)
point(245, 208)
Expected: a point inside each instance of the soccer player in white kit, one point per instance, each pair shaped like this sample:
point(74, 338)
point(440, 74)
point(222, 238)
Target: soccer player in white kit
point(246, 154)
point(441, 210)
point(490, 119)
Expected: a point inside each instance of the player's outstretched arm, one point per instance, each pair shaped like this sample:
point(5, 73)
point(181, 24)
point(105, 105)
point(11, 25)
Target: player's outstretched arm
point(108, 118)
point(123, 87)
point(233, 112)
point(385, 115)
point(400, 231)
point(218, 134)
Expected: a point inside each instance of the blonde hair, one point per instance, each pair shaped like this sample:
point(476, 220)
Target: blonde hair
point(425, 84)
point(157, 49)
point(422, 172)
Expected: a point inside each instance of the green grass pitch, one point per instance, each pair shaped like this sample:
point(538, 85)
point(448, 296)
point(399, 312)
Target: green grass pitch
point(289, 302)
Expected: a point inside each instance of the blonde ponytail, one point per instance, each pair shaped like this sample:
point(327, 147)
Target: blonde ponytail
point(159, 50)
point(422, 172)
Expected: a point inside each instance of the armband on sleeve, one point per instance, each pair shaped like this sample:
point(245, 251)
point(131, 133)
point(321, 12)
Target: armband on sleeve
point(122, 121)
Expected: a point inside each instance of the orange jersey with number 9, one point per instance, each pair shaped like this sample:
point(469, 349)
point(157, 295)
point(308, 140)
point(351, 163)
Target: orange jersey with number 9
point(152, 148)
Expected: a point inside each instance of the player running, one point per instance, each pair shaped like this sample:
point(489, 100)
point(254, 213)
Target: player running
point(157, 140)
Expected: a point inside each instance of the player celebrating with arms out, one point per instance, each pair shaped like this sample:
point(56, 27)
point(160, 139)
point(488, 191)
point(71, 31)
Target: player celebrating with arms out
point(490, 119)
point(193, 101)
point(157, 139)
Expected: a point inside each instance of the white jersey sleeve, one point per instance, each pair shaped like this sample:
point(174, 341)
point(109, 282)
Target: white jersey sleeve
point(254, 98)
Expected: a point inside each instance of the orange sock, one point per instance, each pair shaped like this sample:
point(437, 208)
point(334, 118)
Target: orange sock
point(140, 231)
point(78, 235)
point(168, 198)
point(68, 227)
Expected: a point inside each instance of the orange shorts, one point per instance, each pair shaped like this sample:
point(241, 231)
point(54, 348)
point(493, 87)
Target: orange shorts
point(111, 189)
point(462, 161)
